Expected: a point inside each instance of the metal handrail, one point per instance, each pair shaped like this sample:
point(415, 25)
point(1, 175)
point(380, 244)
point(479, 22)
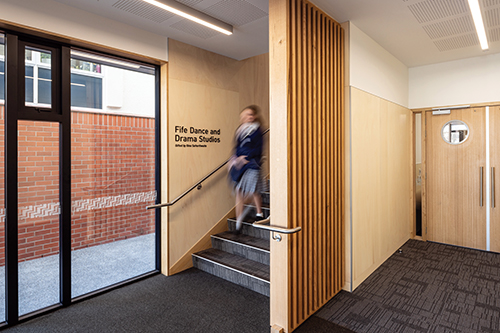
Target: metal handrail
point(275, 229)
point(197, 185)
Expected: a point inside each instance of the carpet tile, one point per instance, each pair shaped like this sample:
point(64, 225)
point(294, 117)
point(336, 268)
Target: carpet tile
point(428, 287)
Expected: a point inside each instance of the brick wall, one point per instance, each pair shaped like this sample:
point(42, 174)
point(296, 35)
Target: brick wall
point(112, 180)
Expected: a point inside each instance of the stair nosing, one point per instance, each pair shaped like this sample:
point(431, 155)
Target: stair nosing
point(242, 244)
point(231, 268)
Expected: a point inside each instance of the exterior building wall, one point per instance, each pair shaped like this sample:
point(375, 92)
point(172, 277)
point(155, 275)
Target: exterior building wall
point(112, 175)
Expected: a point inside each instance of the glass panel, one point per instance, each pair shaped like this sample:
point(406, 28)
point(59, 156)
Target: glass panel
point(29, 83)
point(44, 86)
point(112, 174)
point(86, 91)
point(418, 174)
point(45, 58)
point(28, 55)
point(38, 77)
point(455, 132)
point(85, 66)
point(2, 76)
point(38, 184)
point(2, 180)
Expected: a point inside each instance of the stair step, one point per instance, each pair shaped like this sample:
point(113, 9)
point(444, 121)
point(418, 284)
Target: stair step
point(265, 198)
point(265, 210)
point(256, 249)
point(247, 228)
point(244, 272)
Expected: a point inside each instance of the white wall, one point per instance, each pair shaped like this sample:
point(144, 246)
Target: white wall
point(128, 92)
point(467, 81)
point(68, 21)
point(376, 71)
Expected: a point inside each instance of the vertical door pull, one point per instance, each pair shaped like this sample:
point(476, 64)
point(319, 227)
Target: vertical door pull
point(480, 186)
point(492, 187)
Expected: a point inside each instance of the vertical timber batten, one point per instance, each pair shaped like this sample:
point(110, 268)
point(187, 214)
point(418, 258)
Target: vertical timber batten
point(307, 189)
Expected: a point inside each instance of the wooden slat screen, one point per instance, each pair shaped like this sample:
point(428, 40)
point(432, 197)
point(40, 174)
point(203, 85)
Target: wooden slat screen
point(315, 127)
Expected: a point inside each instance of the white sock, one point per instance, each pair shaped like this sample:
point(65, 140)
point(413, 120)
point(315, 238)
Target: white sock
point(259, 214)
point(240, 218)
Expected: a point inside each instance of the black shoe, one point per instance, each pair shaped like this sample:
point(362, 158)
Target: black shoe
point(236, 231)
point(259, 218)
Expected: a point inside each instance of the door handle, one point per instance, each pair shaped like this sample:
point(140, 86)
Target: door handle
point(492, 187)
point(480, 186)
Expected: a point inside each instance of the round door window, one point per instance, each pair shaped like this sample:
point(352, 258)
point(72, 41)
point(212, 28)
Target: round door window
point(455, 132)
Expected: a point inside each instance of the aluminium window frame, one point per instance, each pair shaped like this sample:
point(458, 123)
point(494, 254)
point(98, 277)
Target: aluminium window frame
point(15, 101)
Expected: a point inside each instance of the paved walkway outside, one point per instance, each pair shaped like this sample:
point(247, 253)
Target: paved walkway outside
point(92, 268)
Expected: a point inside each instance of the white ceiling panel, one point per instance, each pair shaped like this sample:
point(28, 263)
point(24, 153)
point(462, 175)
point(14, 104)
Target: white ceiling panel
point(417, 32)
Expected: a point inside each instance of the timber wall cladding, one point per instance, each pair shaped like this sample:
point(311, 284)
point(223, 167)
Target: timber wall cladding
point(112, 174)
point(381, 181)
point(316, 107)
point(208, 91)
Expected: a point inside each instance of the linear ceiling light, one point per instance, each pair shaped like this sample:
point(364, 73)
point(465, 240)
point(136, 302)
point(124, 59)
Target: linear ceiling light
point(193, 15)
point(478, 22)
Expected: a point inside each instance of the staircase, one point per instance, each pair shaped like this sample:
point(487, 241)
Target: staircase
point(240, 258)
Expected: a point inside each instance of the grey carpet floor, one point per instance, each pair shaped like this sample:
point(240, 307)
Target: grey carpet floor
point(191, 301)
point(429, 287)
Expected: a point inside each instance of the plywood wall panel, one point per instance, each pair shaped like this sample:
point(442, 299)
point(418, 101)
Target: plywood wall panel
point(201, 105)
point(206, 91)
point(381, 181)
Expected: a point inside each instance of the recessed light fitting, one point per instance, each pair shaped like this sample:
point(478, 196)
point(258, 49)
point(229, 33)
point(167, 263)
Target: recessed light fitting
point(478, 22)
point(193, 15)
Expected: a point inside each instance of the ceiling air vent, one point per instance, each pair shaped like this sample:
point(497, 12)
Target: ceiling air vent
point(491, 17)
point(459, 25)
point(457, 42)
point(235, 12)
point(490, 3)
point(194, 29)
point(143, 9)
point(189, 3)
point(433, 10)
point(494, 35)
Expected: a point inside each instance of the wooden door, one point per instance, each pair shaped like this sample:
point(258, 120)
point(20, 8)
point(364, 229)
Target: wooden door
point(495, 178)
point(455, 212)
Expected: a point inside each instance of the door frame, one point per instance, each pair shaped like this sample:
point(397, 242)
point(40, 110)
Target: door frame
point(424, 154)
point(17, 38)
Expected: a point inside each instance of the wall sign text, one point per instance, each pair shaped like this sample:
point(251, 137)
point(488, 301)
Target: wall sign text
point(192, 137)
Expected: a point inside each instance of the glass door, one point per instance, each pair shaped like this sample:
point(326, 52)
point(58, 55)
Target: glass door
point(112, 171)
point(2, 178)
point(38, 221)
point(79, 160)
point(38, 175)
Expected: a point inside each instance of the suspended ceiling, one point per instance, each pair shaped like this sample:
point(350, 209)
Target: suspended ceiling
point(417, 32)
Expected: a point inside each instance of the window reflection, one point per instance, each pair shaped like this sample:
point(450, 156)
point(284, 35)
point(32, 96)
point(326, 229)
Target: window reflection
point(455, 132)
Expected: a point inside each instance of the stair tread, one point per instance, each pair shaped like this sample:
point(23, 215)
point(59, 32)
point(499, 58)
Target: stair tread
point(235, 262)
point(248, 221)
point(260, 243)
point(263, 205)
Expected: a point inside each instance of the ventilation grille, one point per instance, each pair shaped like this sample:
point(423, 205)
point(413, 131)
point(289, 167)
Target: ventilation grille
point(432, 10)
point(451, 27)
point(235, 12)
point(490, 3)
point(449, 24)
point(494, 35)
point(143, 9)
point(194, 29)
point(457, 42)
point(189, 3)
point(491, 17)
